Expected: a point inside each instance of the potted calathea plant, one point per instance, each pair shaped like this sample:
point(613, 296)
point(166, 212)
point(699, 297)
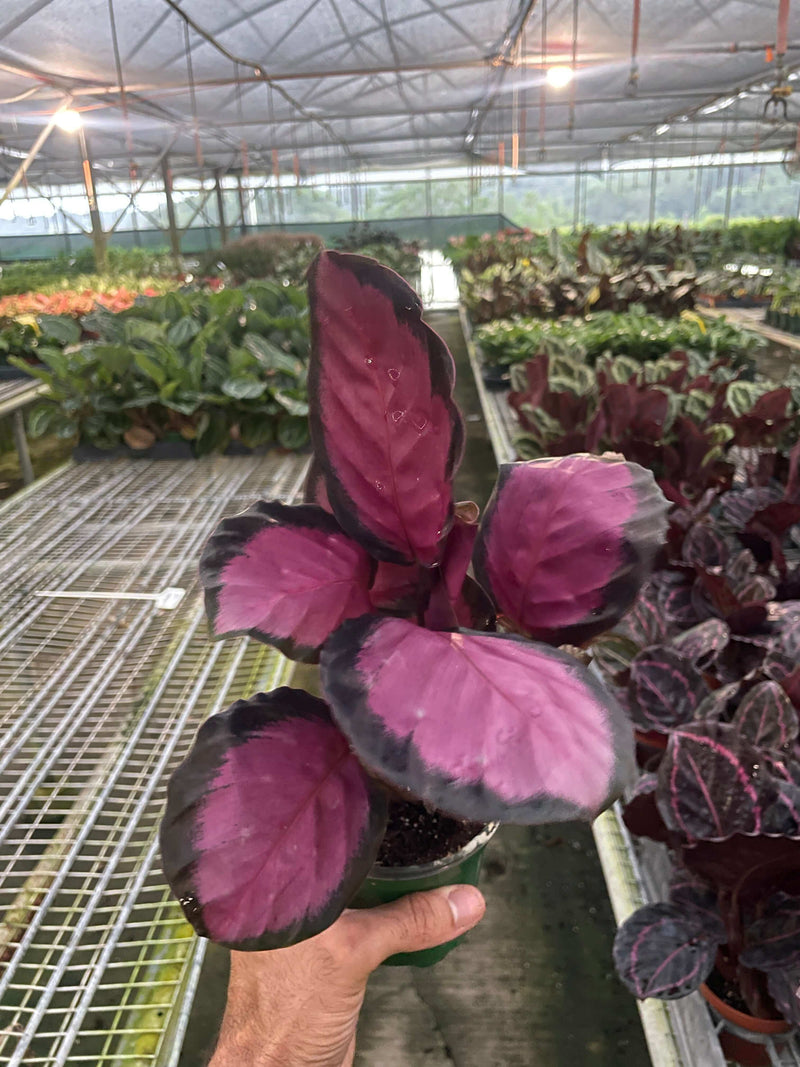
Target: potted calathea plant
point(726, 799)
point(448, 704)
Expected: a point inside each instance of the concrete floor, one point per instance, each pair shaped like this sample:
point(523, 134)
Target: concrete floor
point(533, 985)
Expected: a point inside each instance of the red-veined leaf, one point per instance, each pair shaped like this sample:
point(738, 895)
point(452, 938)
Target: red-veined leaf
point(661, 951)
point(766, 717)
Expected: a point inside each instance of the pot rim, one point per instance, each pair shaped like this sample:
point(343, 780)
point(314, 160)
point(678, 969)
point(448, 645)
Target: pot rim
point(415, 871)
point(751, 1023)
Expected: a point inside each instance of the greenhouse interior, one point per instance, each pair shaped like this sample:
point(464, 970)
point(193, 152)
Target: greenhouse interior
point(243, 819)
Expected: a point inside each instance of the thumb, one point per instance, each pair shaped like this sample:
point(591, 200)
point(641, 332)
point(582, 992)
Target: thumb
point(418, 921)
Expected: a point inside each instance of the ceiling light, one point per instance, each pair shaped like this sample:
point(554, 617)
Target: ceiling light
point(69, 120)
point(661, 130)
point(559, 77)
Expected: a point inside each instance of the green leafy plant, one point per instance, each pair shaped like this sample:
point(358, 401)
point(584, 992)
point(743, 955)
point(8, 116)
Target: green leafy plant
point(28, 338)
point(204, 367)
point(557, 284)
point(679, 416)
point(281, 257)
point(134, 268)
point(384, 245)
point(634, 333)
point(711, 245)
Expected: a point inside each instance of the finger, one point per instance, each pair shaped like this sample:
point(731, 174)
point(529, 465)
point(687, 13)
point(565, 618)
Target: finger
point(418, 921)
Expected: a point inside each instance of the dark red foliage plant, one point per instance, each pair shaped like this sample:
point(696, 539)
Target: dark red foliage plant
point(446, 685)
point(709, 657)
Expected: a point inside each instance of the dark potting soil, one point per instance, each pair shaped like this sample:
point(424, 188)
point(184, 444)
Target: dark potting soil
point(417, 835)
point(727, 991)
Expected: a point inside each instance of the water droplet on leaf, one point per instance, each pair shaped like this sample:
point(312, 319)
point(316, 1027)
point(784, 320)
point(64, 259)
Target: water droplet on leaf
point(380, 486)
point(369, 361)
point(397, 416)
point(393, 373)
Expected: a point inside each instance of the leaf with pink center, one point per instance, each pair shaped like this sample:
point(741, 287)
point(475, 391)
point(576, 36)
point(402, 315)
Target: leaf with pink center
point(387, 433)
point(271, 823)
point(484, 726)
point(286, 575)
point(663, 951)
point(565, 544)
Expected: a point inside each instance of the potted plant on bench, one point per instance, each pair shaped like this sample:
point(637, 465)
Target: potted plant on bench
point(442, 690)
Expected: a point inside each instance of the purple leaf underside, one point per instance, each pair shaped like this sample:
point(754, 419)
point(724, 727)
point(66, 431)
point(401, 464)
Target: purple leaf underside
point(386, 432)
point(663, 951)
point(484, 726)
point(565, 544)
point(286, 575)
point(264, 848)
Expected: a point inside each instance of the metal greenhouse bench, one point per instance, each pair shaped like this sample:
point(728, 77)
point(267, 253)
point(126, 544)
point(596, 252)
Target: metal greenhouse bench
point(99, 700)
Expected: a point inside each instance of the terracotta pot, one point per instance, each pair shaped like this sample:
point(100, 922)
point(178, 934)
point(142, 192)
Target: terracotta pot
point(735, 1047)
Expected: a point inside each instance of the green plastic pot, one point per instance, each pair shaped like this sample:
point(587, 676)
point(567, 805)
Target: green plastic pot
point(385, 884)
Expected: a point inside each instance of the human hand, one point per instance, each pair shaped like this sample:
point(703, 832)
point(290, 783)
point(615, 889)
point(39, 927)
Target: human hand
point(298, 1006)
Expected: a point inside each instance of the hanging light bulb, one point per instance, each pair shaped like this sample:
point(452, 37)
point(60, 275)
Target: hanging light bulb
point(559, 77)
point(69, 120)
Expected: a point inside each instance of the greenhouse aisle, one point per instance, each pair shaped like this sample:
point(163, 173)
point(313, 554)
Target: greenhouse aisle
point(533, 986)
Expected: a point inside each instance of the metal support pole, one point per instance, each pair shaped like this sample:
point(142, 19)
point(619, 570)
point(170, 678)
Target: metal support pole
point(223, 229)
point(174, 233)
point(22, 169)
point(653, 189)
point(501, 193)
point(242, 205)
point(698, 192)
point(353, 197)
point(21, 442)
point(98, 237)
point(576, 206)
point(729, 195)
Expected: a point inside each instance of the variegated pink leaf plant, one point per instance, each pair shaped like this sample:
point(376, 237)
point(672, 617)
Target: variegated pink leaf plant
point(445, 685)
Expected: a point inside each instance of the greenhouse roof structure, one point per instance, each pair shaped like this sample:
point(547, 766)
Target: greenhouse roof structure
point(311, 86)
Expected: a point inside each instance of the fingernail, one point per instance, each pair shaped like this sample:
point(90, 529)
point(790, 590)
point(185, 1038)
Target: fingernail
point(466, 903)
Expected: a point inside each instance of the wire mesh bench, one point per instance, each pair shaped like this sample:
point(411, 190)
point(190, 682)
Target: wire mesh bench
point(99, 700)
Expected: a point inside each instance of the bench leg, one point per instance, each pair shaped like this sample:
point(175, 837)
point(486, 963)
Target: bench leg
point(21, 441)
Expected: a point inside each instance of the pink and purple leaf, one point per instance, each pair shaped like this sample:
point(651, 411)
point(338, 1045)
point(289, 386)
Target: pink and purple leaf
point(271, 824)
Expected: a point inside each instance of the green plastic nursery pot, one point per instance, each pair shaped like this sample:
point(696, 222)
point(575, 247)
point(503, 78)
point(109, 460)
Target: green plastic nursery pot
point(385, 884)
